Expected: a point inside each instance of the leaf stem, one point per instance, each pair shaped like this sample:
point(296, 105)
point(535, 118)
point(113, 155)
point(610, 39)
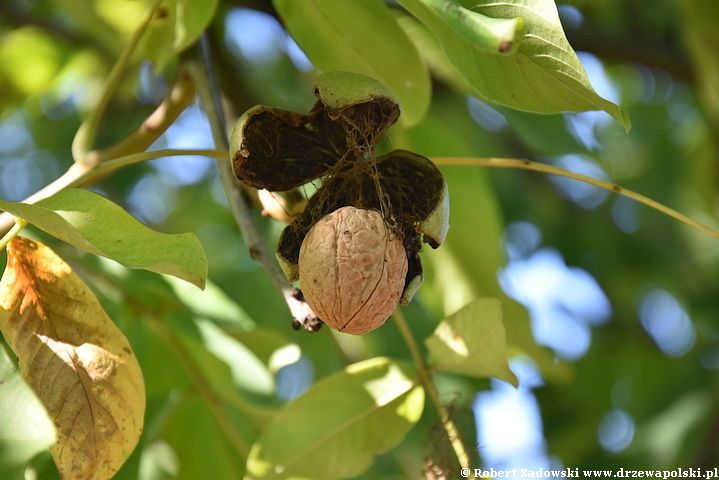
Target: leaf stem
point(14, 231)
point(551, 170)
point(492, 35)
point(238, 194)
point(425, 376)
point(85, 136)
point(180, 96)
point(79, 175)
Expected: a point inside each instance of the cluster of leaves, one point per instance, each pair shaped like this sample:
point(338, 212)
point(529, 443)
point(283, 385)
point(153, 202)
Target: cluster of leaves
point(83, 371)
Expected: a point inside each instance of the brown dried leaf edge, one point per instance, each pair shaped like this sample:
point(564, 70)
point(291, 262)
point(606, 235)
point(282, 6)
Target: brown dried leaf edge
point(78, 362)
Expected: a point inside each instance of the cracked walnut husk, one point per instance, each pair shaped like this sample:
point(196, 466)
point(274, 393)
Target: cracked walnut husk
point(401, 197)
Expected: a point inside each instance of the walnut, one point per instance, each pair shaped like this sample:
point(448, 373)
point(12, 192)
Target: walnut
point(352, 270)
point(334, 145)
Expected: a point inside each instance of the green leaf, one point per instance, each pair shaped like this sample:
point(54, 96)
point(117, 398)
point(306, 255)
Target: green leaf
point(175, 26)
point(226, 367)
point(30, 60)
point(273, 349)
point(361, 37)
point(25, 427)
point(337, 428)
point(467, 264)
point(248, 372)
point(473, 255)
point(544, 75)
point(212, 303)
point(197, 444)
point(492, 35)
point(91, 222)
point(472, 342)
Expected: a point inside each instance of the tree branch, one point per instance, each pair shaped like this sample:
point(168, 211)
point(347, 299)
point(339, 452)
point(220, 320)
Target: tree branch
point(552, 170)
point(180, 97)
point(708, 450)
point(302, 314)
point(80, 175)
point(643, 51)
point(425, 376)
point(85, 135)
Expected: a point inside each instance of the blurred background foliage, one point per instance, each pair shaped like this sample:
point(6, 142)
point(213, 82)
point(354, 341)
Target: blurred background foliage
point(623, 299)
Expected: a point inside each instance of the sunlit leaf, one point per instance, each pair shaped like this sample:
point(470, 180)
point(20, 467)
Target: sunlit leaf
point(544, 75)
point(248, 372)
point(25, 428)
point(273, 349)
point(361, 37)
point(467, 264)
point(473, 256)
point(176, 25)
point(91, 222)
point(338, 426)
point(76, 360)
point(222, 365)
point(212, 303)
point(29, 60)
point(433, 55)
point(472, 342)
point(488, 34)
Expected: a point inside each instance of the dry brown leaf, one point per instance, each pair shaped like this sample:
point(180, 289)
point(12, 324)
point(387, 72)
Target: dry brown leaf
point(75, 358)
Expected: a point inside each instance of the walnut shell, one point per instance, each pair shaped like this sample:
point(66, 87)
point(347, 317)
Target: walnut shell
point(352, 270)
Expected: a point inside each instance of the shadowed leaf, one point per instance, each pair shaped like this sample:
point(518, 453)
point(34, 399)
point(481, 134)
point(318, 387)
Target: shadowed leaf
point(25, 428)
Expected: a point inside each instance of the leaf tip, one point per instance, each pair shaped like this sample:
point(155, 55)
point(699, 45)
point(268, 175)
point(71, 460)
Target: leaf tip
point(625, 120)
point(510, 377)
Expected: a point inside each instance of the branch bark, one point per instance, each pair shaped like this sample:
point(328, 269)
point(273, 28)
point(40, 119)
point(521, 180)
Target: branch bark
point(237, 197)
point(178, 99)
point(425, 376)
point(80, 175)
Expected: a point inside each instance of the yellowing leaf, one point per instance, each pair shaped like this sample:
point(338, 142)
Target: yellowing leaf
point(472, 342)
point(77, 361)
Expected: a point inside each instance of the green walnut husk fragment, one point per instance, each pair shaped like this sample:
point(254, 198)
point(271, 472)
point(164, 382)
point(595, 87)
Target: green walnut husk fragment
point(279, 150)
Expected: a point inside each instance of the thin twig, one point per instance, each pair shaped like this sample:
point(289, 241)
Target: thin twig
point(14, 231)
point(425, 377)
point(551, 170)
point(80, 175)
point(180, 96)
point(707, 455)
point(302, 314)
point(85, 136)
